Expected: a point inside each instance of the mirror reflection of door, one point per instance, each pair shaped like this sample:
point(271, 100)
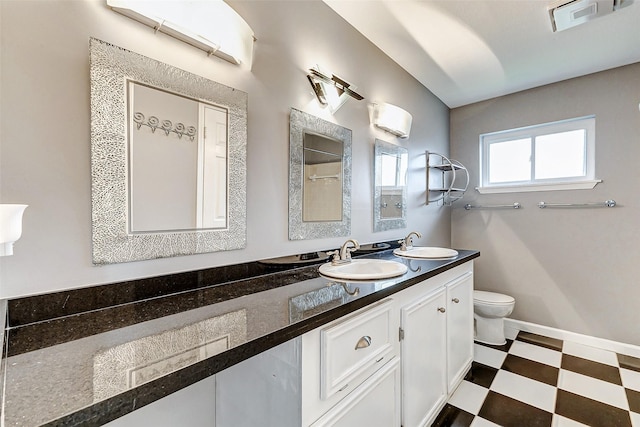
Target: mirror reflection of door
point(212, 169)
point(322, 186)
point(177, 162)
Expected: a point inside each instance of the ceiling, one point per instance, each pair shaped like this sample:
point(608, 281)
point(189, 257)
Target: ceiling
point(466, 51)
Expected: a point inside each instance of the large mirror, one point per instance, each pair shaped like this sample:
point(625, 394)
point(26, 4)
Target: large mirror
point(319, 178)
point(168, 156)
point(390, 191)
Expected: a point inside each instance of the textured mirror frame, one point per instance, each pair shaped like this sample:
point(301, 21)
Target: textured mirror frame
point(383, 224)
point(300, 121)
point(110, 69)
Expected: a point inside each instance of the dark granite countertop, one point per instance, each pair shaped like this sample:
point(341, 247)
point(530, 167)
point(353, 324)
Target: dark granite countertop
point(88, 356)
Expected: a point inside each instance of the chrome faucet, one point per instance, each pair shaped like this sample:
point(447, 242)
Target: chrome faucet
point(408, 241)
point(343, 255)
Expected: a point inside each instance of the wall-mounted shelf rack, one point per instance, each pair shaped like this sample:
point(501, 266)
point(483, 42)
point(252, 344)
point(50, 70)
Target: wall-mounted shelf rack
point(447, 179)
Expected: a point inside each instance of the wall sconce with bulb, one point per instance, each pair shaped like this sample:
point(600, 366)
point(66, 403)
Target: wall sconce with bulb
point(331, 90)
point(392, 119)
point(10, 227)
point(212, 26)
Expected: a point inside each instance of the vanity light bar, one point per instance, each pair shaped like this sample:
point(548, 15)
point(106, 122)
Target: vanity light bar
point(392, 119)
point(220, 31)
point(341, 85)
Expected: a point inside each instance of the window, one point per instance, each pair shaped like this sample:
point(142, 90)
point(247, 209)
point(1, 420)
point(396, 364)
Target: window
point(550, 156)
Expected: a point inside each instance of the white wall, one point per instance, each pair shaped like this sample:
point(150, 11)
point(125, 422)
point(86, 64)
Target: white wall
point(573, 269)
point(45, 131)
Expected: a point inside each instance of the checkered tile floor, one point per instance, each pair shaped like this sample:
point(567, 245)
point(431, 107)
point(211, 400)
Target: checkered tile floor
point(540, 381)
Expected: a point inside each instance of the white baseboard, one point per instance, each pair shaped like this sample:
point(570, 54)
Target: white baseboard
point(512, 327)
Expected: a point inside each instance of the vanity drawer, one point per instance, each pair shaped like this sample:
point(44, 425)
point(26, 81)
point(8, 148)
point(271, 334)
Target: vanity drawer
point(356, 347)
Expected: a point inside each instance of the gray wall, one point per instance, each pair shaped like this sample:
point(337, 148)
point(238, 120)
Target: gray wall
point(574, 269)
point(193, 406)
point(45, 131)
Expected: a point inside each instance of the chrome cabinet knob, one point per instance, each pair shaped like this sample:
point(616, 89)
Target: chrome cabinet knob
point(441, 309)
point(455, 300)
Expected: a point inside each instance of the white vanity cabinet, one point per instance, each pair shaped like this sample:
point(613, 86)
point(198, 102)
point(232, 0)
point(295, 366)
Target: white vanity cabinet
point(344, 373)
point(436, 342)
point(350, 366)
point(393, 363)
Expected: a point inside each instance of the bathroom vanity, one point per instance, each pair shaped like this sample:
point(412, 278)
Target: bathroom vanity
point(284, 346)
point(394, 362)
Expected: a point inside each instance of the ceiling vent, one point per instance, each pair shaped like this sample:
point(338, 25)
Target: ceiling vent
point(566, 14)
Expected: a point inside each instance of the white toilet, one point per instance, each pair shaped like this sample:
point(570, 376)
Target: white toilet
point(489, 311)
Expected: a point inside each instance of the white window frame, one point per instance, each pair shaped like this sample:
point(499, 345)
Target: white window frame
point(588, 181)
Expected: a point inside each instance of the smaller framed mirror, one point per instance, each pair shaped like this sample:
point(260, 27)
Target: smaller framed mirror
point(390, 186)
point(319, 178)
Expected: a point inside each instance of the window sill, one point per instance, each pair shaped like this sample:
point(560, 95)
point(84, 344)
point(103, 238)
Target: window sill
point(576, 185)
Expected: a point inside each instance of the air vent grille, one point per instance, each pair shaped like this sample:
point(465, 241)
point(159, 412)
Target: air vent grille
point(567, 14)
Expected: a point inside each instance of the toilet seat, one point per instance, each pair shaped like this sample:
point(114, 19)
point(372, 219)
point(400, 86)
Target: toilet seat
point(492, 298)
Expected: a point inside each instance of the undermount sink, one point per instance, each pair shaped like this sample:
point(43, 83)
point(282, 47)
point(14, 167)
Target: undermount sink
point(426, 252)
point(363, 269)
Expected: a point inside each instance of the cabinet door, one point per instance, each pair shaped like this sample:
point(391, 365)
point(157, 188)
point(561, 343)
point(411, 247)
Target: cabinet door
point(459, 329)
point(375, 403)
point(423, 354)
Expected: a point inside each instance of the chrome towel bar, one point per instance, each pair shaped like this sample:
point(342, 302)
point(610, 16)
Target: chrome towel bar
point(605, 204)
point(515, 205)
